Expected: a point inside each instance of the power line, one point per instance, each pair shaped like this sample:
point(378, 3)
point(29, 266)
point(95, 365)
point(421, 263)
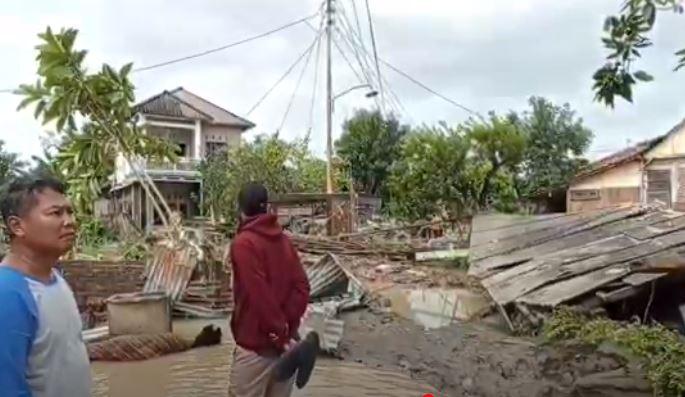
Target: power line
point(356, 42)
point(287, 72)
point(362, 59)
point(299, 80)
point(317, 62)
point(356, 17)
point(375, 51)
point(227, 46)
point(432, 91)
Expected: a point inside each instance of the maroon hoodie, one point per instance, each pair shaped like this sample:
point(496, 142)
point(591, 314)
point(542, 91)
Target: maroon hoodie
point(270, 287)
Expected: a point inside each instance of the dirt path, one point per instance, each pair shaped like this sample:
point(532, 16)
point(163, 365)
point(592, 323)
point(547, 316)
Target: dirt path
point(467, 359)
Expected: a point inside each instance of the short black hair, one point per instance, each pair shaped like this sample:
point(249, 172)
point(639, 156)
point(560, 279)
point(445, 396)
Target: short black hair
point(19, 195)
point(252, 199)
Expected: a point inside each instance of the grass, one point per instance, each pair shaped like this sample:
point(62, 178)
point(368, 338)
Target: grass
point(662, 350)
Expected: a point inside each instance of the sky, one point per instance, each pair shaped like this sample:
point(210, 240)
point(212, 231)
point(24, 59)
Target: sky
point(485, 55)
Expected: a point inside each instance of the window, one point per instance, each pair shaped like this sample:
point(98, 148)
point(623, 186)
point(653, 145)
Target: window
point(212, 148)
point(585, 195)
point(182, 150)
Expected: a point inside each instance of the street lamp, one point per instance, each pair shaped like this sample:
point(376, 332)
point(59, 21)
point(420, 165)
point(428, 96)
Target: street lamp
point(372, 93)
point(329, 127)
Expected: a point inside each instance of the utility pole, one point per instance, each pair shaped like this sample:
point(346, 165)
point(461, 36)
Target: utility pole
point(329, 98)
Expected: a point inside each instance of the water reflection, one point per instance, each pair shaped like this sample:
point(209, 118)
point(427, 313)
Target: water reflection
point(435, 308)
point(204, 372)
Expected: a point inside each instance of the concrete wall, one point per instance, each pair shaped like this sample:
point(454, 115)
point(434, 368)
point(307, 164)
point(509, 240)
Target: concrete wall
point(608, 197)
point(220, 133)
point(616, 186)
point(176, 135)
point(673, 145)
point(625, 175)
point(101, 279)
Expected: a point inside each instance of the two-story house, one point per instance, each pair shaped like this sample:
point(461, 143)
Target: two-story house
point(199, 128)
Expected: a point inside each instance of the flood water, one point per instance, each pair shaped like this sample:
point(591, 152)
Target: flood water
point(204, 372)
point(436, 307)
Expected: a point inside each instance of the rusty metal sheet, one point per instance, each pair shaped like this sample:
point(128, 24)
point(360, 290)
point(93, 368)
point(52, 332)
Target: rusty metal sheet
point(330, 277)
point(170, 270)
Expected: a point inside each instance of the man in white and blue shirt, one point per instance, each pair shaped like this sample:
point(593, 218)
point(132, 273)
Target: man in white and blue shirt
point(42, 353)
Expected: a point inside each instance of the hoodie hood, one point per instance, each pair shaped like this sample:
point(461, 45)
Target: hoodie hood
point(265, 225)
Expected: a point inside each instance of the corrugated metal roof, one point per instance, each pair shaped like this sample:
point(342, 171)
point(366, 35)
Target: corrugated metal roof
point(170, 270)
point(180, 103)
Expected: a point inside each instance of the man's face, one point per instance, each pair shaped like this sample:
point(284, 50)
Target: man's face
point(49, 225)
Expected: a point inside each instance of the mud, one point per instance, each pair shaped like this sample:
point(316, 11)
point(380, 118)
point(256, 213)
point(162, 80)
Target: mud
point(470, 359)
point(204, 372)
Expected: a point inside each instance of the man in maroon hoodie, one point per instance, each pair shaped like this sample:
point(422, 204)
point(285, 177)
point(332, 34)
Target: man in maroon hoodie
point(271, 292)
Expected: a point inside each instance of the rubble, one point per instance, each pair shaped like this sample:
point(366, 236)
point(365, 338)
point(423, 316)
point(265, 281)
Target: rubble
point(592, 260)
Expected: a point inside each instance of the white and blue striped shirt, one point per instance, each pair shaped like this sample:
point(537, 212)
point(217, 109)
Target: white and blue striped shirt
point(42, 353)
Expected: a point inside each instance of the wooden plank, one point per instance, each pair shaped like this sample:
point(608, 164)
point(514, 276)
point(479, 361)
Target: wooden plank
point(568, 289)
point(486, 266)
point(576, 225)
point(645, 232)
point(505, 289)
point(510, 284)
point(441, 255)
point(637, 279)
point(617, 295)
point(564, 291)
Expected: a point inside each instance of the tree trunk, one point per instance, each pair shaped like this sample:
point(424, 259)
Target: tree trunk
point(485, 190)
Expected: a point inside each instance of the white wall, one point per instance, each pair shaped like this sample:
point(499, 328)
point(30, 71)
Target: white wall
point(673, 145)
point(220, 133)
point(625, 175)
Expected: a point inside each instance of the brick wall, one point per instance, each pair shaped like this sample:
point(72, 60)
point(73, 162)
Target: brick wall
point(101, 279)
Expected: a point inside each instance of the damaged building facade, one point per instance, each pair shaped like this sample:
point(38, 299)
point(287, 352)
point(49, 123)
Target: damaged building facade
point(199, 128)
point(651, 171)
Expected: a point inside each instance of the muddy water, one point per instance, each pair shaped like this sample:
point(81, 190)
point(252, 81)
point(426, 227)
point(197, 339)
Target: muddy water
point(204, 372)
point(436, 308)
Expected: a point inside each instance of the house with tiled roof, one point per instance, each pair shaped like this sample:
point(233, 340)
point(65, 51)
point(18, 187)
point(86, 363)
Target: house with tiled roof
point(199, 128)
point(651, 171)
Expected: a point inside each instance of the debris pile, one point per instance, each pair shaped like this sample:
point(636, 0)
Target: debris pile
point(618, 260)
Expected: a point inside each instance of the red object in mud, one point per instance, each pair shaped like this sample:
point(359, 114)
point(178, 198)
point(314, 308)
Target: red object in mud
point(270, 286)
point(428, 395)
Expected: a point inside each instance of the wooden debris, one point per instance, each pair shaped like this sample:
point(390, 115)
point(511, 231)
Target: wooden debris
point(598, 257)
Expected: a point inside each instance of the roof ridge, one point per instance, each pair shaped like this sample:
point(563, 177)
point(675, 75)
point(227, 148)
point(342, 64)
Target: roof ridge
point(216, 106)
point(189, 105)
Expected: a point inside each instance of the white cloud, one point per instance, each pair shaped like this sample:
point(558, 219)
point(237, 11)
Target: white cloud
point(489, 55)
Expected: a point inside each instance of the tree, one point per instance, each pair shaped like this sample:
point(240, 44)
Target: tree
point(499, 145)
point(434, 175)
point(283, 167)
point(369, 145)
point(556, 140)
point(10, 165)
point(66, 92)
point(625, 38)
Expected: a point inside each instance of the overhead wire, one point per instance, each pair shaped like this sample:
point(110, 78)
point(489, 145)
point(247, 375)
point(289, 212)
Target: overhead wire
point(317, 62)
point(362, 60)
point(227, 46)
point(299, 80)
point(355, 40)
point(375, 51)
point(355, 37)
point(432, 91)
point(287, 72)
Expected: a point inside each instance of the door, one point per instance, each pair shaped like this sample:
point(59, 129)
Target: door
point(659, 186)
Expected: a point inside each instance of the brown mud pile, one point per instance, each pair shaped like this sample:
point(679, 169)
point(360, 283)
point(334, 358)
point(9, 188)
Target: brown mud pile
point(477, 360)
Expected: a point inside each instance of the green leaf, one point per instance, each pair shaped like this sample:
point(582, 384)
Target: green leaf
point(643, 76)
point(126, 70)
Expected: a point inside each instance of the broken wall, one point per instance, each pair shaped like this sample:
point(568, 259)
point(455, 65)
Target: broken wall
point(101, 279)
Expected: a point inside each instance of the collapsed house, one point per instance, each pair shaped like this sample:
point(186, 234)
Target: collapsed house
point(627, 261)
